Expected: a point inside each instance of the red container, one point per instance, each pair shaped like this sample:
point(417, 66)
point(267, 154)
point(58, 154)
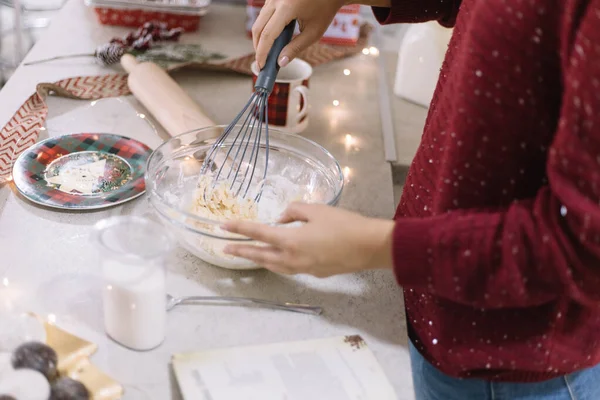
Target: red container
point(135, 17)
point(343, 31)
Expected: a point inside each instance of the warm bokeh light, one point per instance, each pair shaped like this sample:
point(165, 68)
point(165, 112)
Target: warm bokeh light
point(350, 143)
point(347, 173)
point(336, 103)
point(346, 72)
point(374, 51)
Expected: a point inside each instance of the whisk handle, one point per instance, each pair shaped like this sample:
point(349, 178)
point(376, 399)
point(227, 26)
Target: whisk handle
point(266, 77)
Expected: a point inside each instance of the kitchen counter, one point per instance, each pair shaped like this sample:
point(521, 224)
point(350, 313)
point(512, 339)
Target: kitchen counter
point(47, 263)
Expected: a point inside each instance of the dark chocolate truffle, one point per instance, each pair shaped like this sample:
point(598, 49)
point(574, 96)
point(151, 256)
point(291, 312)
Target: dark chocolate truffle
point(68, 389)
point(36, 356)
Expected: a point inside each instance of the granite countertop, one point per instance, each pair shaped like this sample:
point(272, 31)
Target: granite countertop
point(48, 265)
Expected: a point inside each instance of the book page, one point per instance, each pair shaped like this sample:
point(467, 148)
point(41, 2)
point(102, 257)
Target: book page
point(340, 368)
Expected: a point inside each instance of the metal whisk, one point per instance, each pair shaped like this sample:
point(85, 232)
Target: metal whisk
point(242, 152)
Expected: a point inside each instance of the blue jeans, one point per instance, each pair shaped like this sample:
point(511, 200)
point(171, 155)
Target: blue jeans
point(431, 384)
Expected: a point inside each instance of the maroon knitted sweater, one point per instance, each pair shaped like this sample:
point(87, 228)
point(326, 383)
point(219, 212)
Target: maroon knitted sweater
point(497, 239)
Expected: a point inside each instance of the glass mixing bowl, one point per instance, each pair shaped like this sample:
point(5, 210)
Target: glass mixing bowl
point(174, 169)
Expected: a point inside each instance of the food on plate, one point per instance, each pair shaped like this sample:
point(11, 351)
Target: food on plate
point(36, 356)
point(25, 384)
point(69, 389)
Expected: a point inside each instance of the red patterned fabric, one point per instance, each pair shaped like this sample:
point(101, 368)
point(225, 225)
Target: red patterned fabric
point(277, 103)
point(20, 133)
point(497, 239)
point(305, 83)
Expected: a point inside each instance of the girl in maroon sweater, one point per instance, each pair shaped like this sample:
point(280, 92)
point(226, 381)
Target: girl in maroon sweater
point(496, 240)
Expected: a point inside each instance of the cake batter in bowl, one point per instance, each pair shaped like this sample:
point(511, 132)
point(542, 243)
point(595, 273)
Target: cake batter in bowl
point(194, 207)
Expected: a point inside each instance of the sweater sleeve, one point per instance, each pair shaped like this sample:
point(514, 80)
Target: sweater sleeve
point(536, 249)
point(412, 11)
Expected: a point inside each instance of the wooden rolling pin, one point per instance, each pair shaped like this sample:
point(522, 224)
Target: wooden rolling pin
point(163, 97)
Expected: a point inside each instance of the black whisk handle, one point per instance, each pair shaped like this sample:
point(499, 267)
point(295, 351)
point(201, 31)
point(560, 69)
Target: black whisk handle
point(266, 77)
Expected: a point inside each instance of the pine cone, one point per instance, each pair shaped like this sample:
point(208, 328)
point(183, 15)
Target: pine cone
point(109, 53)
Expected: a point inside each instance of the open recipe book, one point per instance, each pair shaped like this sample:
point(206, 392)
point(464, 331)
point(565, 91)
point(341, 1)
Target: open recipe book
point(341, 368)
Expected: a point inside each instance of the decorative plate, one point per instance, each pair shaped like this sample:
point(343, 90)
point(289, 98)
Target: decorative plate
point(82, 171)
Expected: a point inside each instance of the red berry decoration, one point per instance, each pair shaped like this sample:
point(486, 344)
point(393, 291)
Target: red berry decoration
point(172, 35)
point(143, 43)
point(118, 41)
point(130, 38)
point(156, 34)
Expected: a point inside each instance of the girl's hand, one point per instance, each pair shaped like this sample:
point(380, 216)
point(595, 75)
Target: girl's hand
point(330, 241)
point(313, 16)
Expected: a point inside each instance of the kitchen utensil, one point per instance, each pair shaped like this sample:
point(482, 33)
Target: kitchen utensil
point(172, 107)
point(254, 127)
point(82, 171)
point(172, 302)
point(288, 104)
point(172, 178)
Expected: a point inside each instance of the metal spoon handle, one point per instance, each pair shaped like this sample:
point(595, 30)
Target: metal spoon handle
point(299, 308)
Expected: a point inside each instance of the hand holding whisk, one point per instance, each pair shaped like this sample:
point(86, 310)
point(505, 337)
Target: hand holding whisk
point(242, 142)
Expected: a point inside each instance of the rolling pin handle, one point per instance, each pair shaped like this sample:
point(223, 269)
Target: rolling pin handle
point(128, 62)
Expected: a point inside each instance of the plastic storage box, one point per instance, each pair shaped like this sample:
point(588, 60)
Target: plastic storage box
point(133, 13)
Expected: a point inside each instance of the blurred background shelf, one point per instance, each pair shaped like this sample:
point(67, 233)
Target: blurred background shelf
point(21, 24)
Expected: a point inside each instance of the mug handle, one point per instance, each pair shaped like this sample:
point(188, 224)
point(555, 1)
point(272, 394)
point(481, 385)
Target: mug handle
point(303, 90)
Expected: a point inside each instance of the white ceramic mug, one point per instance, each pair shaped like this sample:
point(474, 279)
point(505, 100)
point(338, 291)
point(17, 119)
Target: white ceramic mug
point(288, 103)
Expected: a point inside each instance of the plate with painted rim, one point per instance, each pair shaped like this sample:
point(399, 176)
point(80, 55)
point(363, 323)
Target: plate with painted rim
point(82, 171)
